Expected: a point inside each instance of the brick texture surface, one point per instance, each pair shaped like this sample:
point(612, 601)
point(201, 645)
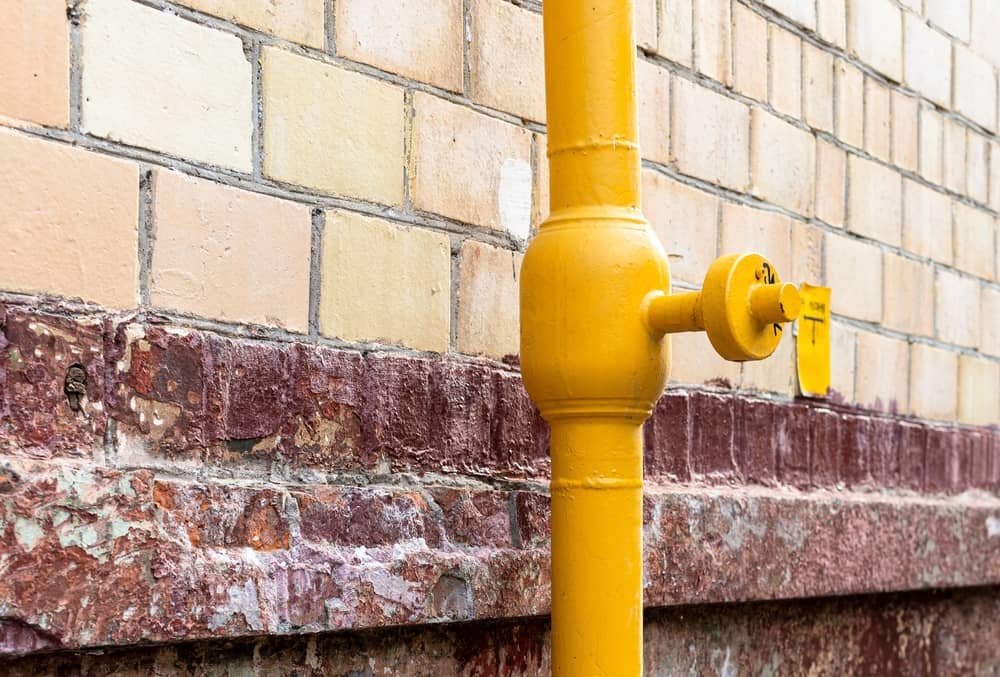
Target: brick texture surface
point(34, 62)
point(300, 21)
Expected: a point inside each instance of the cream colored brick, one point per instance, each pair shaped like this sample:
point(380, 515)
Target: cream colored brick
point(717, 148)
point(933, 383)
point(957, 306)
point(954, 155)
point(874, 201)
point(694, 361)
point(995, 175)
point(786, 71)
point(712, 39)
point(832, 21)
point(418, 39)
point(951, 16)
point(776, 374)
point(854, 271)
point(296, 20)
point(807, 255)
point(645, 24)
point(931, 145)
point(928, 60)
point(882, 372)
point(209, 237)
point(977, 172)
point(978, 391)
point(783, 162)
point(506, 58)
point(843, 340)
point(878, 137)
point(802, 12)
point(915, 5)
point(677, 31)
point(492, 158)
point(850, 86)
point(974, 241)
point(685, 220)
point(749, 53)
point(908, 295)
point(540, 192)
point(926, 222)
point(989, 329)
point(745, 229)
point(653, 87)
point(985, 19)
point(153, 80)
point(488, 308)
point(818, 83)
point(975, 88)
point(385, 283)
point(904, 131)
point(34, 61)
point(831, 183)
point(875, 35)
point(332, 130)
point(68, 222)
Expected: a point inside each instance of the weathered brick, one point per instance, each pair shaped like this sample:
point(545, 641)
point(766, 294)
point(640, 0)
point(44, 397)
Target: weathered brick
point(195, 84)
point(802, 12)
point(877, 119)
point(874, 201)
point(540, 190)
point(912, 451)
point(928, 60)
point(475, 518)
point(831, 183)
point(520, 437)
point(754, 440)
point(695, 362)
point(817, 77)
point(933, 382)
point(716, 149)
point(825, 447)
point(843, 340)
point(330, 129)
point(978, 391)
point(296, 20)
point(782, 162)
point(831, 21)
point(711, 434)
point(807, 254)
point(978, 447)
point(975, 88)
point(954, 155)
point(666, 437)
point(34, 61)
point(931, 145)
point(776, 374)
point(986, 15)
point(747, 229)
point(854, 269)
point(974, 236)
point(68, 221)
point(488, 300)
point(882, 440)
point(994, 176)
point(881, 372)
point(653, 101)
point(989, 331)
point(942, 470)
point(908, 288)
point(645, 24)
point(977, 171)
point(684, 219)
point(926, 222)
point(957, 308)
point(785, 79)
point(365, 517)
point(952, 16)
point(904, 131)
point(856, 450)
point(875, 35)
point(712, 39)
point(532, 515)
point(850, 91)
point(677, 31)
point(749, 53)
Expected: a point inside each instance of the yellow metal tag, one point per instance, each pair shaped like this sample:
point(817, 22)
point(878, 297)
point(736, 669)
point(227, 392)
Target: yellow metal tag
point(813, 341)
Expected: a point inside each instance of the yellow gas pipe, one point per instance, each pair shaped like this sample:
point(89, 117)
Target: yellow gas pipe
point(595, 308)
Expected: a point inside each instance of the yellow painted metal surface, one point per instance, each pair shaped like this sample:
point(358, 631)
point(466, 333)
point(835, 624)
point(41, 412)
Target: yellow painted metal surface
point(812, 344)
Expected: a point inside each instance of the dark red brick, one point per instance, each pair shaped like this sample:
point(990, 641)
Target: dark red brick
point(712, 435)
point(366, 517)
point(520, 434)
point(754, 448)
point(475, 518)
point(531, 515)
point(667, 438)
point(792, 432)
point(993, 477)
point(943, 471)
point(469, 400)
point(912, 444)
point(825, 447)
point(884, 452)
point(856, 449)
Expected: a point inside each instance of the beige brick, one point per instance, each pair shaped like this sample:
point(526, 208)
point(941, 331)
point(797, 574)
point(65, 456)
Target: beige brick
point(745, 229)
point(850, 86)
point(653, 87)
point(540, 191)
point(854, 271)
point(749, 53)
point(985, 19)
point(951, 16)
point(877, 119)
point(488, 310)
point(882, 372)
point(385, 283)
point(209, 237)
point(786, 71)
point(506, 59)
point(928, 60)
point(875, 35)
point(933, 382)
point(34, 61)
point(931, 145)
point(802, 12)
point(717, 149)
point(195, 84)
point(957, 306)
point(904, 131)
point(807, 255)
point(832, 21)
point(977, 180)
point(831, 183)
point(783, 162)
point(874, 203)
point(68, 222)
point(677, 31)
point(776, 374)
point(694, 361)
point(978, 391)
point(332, 130)
point(995, 176)
point(926, 222)
point(954, 155)
point(818, 82)
point(418, 39)
point(989, 330)
point(645, 24)
point(908, 295)
point(296, 20)
point(843, 340)
point(685, 220)
point(492, 158)
point(975, 88)
point(974, 241)
point(712, 39)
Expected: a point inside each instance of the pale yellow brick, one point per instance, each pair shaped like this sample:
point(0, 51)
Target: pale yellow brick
point(782, 162)
point(471, 167)
point(951, 16)
point(488, 309)
point(954, 155)
point(68, 222)
point(712, 39)
point(786, 71)
point(749, 53)
point(843, 339)
point(296, 20)
point(807, 255)
point(931, 145)
point(831, 183)
point(877, 118)
point(776, 374)
point(653, 87)
point(645, 24)
point(850, 93)
point(694, 361)
point(994, 175)
point(926, 222)
point(818, 83)
point(418, 39)
point(34, 61)
point(332, 130)
point(882, 372)
point(975, 91)
point(978, 391)
point(908, 295)
point(209, 237)
point(985, 19)
point(928, 60)
point(745, 229)
point(974, 239)
point(933, 382)
point(957, 306)
point(676, 41)
point(854, 272)
point(989, 329)
point(832, 21)
point(385, 283)
point(802, 12)
point(506, 58)
point(717, 149)
point(875, 35)
point(153, 80)
point(874, 201)
point(685, 221)
point(540, 191)
point(977, 172)
point(904, 131)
